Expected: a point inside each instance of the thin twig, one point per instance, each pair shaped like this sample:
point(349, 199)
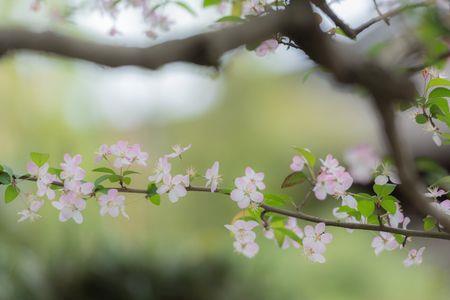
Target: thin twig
point(296, 214)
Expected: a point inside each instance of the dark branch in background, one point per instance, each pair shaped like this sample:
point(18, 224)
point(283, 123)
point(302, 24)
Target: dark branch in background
point(203, 49)
point(420, 67)
point(353, 33)
point(377, 8)
point(294, 214)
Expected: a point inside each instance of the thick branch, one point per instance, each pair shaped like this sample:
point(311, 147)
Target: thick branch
point(296, 214)
point(411, 186)
point(203, 49)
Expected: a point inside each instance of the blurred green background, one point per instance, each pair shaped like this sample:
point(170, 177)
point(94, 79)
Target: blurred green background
point(250, 114)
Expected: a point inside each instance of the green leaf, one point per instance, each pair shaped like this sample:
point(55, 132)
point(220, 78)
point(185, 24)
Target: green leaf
point(439, 93)
point(307, 154)
point(115, 178)
point(155, 199)
point(186, 7)
point(104, 170)
point(5, 178)
point(293, 179)
point(363, 196)
point(99, 180)
point(127, 180)
point(443, 182)
point(11, 193)
point(373, 219)
point(39, 158)
point(232, 19)
point(151, 190)
point(276, 200)
point(429, 223)
point(366, 207)
point(207, 3)
point(421, 119)
point(55, 171)
point(383, 190)
point(289, 233)
point(130, 172)
point(388, 203)
point(437, 82)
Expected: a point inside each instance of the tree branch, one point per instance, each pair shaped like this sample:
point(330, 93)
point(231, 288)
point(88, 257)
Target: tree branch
point(353, 33)
point(202, 49)
point(295, 214)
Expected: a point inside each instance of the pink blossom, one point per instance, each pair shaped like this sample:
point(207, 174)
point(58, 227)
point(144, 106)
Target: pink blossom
point(266, 47)
point(437, 139)
point(102, 152)
point(175, 187)
point(348, 200)
point(414, 257)
point(244, 237)
point(435, 192)
point(314, 251)
point(70, 206)
point(332, 180)
point(253, 7)
point(317, 234)
point(162, 168)
point(385, 241)
point(112, 203)
point(71, 168)
point(388, 173)
point(444, 206)
point(297, 164)
point(245, 193)
point(397, 218)
point(212, 177)
point(44, 186)
point(178, 150)
point(33, 204)
point(37, 171)
point(362, 161)
point(254, 178)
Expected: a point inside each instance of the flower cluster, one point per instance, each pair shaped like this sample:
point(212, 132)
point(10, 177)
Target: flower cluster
point(332, 180)
point(175, 186)
point(244, 236)
point(122, 154)
point(43, 179)
point(33, 205)
point(248, 189)
point(72, 200)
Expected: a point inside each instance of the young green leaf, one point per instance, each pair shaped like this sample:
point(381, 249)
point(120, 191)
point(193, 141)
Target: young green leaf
point(276, 200)
point(104, 170)
point(207, 3)
point(366, 207)
point(99, 180)
point(127, 180)
point(429, 223)
point(186, 7)
point(421, 119)
point(155, 199)
point(39, 158)
point(5, 178)
point(293, 179)
point(11, 193)
point(383, 190)
point(388, 203)
point(130, 172)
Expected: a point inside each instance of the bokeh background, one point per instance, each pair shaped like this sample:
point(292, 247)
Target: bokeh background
point(249, 113)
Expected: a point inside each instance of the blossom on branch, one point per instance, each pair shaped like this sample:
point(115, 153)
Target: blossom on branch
point(244, 237)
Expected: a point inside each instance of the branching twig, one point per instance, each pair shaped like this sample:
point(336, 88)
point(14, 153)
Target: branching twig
point(296, 214)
